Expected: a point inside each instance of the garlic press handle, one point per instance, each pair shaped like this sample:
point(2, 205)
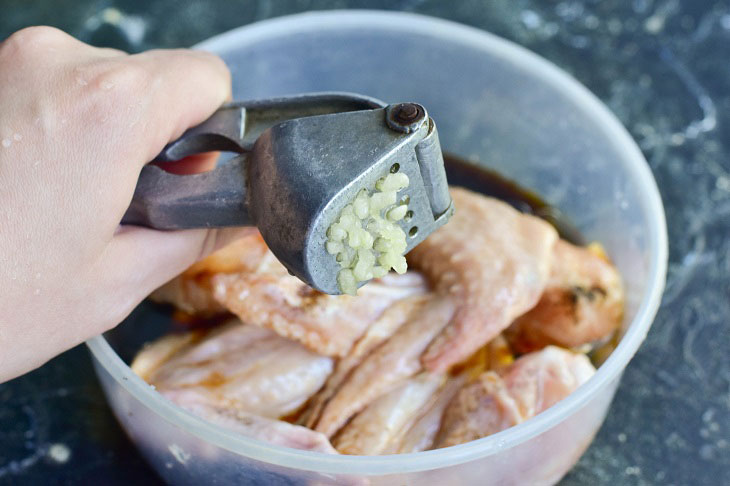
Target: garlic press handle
point(218, 198)
point(235, 126)
point(212, 199)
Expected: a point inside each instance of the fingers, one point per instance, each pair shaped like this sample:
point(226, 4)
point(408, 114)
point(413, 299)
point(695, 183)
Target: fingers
point(184, 88)
point(122, 110)
point(107, 101)
point(132, 106)
point(139, 260)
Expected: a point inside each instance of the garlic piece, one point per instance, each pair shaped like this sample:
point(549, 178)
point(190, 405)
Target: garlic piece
point(366, 239)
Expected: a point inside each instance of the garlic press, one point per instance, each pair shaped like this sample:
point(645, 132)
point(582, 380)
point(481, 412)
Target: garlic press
point(299, 161)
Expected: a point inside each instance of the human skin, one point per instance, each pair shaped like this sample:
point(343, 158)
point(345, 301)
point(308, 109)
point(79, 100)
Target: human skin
point(78, 124)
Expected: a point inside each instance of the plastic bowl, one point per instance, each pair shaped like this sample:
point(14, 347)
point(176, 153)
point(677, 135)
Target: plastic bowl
point(493, 102)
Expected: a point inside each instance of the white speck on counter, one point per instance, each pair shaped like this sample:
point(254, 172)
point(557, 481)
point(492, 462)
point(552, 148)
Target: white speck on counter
point(111, 15)
point(677, 139)
point(59, 453)
point(178, 453)
point(614, 26)
point(723, 183)
point(708, 415)
point(132, 26)
point(654, 24)
point(725, 21)
point(17, 137)
point(621, 437)
point(530, 19)
point(591, 22)
point(707, 452)
point(6, 142)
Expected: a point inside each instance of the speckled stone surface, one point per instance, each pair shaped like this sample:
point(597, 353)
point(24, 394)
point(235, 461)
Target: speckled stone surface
point(662, 66)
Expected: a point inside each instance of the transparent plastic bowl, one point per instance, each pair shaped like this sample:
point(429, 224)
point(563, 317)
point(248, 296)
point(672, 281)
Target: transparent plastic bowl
point(493, 102)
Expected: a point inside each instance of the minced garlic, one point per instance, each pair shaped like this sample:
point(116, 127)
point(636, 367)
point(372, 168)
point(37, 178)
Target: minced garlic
point(365, 240)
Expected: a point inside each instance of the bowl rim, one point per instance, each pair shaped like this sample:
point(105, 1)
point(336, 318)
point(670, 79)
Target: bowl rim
point(440, 458)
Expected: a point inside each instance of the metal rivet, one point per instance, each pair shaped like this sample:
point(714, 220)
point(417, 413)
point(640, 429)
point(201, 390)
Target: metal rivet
point(406, 117)
point(407, 113)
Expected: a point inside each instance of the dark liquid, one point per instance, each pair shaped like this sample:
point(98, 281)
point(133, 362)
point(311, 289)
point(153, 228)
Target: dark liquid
point(462, 173)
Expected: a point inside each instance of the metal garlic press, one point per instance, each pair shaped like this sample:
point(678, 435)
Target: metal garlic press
point(301, 160)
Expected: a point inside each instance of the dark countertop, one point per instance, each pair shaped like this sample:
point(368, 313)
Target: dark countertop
point(662, 66)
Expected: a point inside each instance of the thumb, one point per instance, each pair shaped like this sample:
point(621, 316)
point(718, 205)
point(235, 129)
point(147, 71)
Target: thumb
point(139, 260)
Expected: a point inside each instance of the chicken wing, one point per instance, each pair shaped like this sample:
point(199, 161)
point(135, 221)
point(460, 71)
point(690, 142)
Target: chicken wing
point(236, 366)
point(378, 332)
point(246, 279)
point(496, 401)
point(386, 366)
point(153, 355)
point(324, 323)
point(493, 262)
point(582, 303)
point(384, 422)
point(250, 425)
point(420, 436)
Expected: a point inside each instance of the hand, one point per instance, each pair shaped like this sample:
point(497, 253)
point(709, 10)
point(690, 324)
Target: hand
point(77, 124)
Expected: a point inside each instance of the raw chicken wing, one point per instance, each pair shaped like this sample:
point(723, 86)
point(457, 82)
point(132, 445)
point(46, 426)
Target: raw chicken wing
point(497, 401)
point(271, 431)
point(236, 366)
point(246, 279)
point(381, 330)
point(582, 304)
point(386, 366)
point(493, 262)
point(384, 422)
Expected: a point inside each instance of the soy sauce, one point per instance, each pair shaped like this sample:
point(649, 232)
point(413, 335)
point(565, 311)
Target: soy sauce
point(460, 172)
